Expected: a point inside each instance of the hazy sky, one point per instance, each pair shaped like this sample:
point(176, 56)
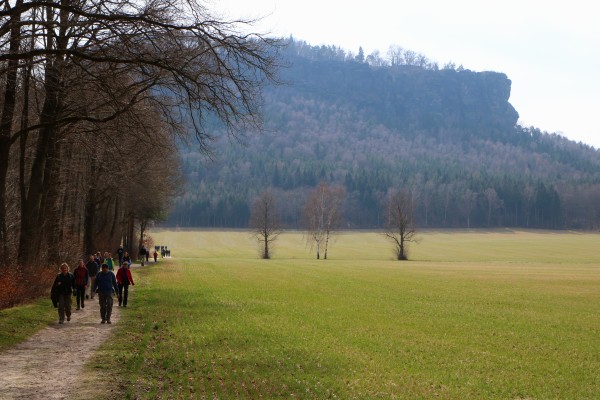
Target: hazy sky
point(550, 50)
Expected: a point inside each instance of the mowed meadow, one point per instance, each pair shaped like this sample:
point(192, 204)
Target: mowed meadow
point(474, 314)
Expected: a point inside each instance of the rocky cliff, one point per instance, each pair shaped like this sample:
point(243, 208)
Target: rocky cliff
point(408, 99)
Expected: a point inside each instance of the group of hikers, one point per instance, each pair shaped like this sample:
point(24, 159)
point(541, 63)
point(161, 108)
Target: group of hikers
point(88, 279)
point(146, 253)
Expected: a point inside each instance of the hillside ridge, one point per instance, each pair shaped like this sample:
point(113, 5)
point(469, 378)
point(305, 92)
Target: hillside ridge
point(449, 135)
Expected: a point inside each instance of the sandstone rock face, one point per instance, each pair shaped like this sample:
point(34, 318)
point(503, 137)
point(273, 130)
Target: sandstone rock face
point(411, 99)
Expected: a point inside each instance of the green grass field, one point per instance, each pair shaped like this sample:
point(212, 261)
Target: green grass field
point(498, 314)
point(473, 315)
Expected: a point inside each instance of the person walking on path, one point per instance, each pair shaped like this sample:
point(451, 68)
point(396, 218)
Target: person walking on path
point(105, 285)
point(93, 269)
point(51, 364)
point(126, 258)
point(63, 289)
point(142, 254)
point(82, 278)
point(124, 279)
point(109, 261)
point(120, 254)
point(99, 259)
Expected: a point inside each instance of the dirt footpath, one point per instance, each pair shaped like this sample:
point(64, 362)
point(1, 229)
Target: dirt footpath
point(50, 364)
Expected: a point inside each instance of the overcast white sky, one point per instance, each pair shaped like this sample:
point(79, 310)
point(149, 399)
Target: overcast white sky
point(550, 50)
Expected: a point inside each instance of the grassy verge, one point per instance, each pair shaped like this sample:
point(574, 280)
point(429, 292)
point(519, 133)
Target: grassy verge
point(18, 323)
point(476, 315)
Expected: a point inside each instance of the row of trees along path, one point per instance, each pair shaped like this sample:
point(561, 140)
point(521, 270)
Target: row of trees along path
point(49, 365)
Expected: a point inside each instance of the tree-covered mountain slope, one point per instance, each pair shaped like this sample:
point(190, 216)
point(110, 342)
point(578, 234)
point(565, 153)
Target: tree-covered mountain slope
point(448, 135)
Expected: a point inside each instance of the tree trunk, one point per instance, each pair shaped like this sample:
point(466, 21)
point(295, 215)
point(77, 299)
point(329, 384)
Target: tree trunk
point(143, 224)
point(32, 217)
point(130, 233)
point(89, 220)
point(51, 210)
point(116, 218)
point(266, 255)
point(6, 125)
point(31, 221)
point(4, 154)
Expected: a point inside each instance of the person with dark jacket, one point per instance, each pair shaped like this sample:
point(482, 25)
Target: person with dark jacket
point(142, 254)
point(120, 254)
point(93, 268)
point(81, 281)
point(124, 279)
point(105, 285)
point(63, 290)
point(126, 258)
point(98, 258)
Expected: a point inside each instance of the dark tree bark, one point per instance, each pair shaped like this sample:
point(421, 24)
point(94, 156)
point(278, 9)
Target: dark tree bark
point(89, 221)
point(7, 119)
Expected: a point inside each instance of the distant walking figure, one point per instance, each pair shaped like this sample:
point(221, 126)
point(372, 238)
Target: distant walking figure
point(143, 254)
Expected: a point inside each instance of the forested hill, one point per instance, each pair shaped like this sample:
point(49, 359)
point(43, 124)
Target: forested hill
point(448, 134)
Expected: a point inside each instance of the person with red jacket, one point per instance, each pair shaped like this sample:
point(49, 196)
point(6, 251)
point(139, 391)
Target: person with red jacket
point(81, 281)
point(124, 279)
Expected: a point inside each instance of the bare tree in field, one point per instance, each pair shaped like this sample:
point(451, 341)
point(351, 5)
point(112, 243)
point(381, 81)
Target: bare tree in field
point(399, 225)
point(322, 214)
point(264, 222)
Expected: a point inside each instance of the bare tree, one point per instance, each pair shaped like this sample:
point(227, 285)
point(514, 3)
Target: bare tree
point(427, 198)
point(264, 222)
point(469, 201)
point(322, 214)
point(494, 202)
point(399, 226)
point(447, 190)
point(422, 61)
point(395, 55)
point(529, 194)
point(91, 62)
point(375, 59)
point(410, 57)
